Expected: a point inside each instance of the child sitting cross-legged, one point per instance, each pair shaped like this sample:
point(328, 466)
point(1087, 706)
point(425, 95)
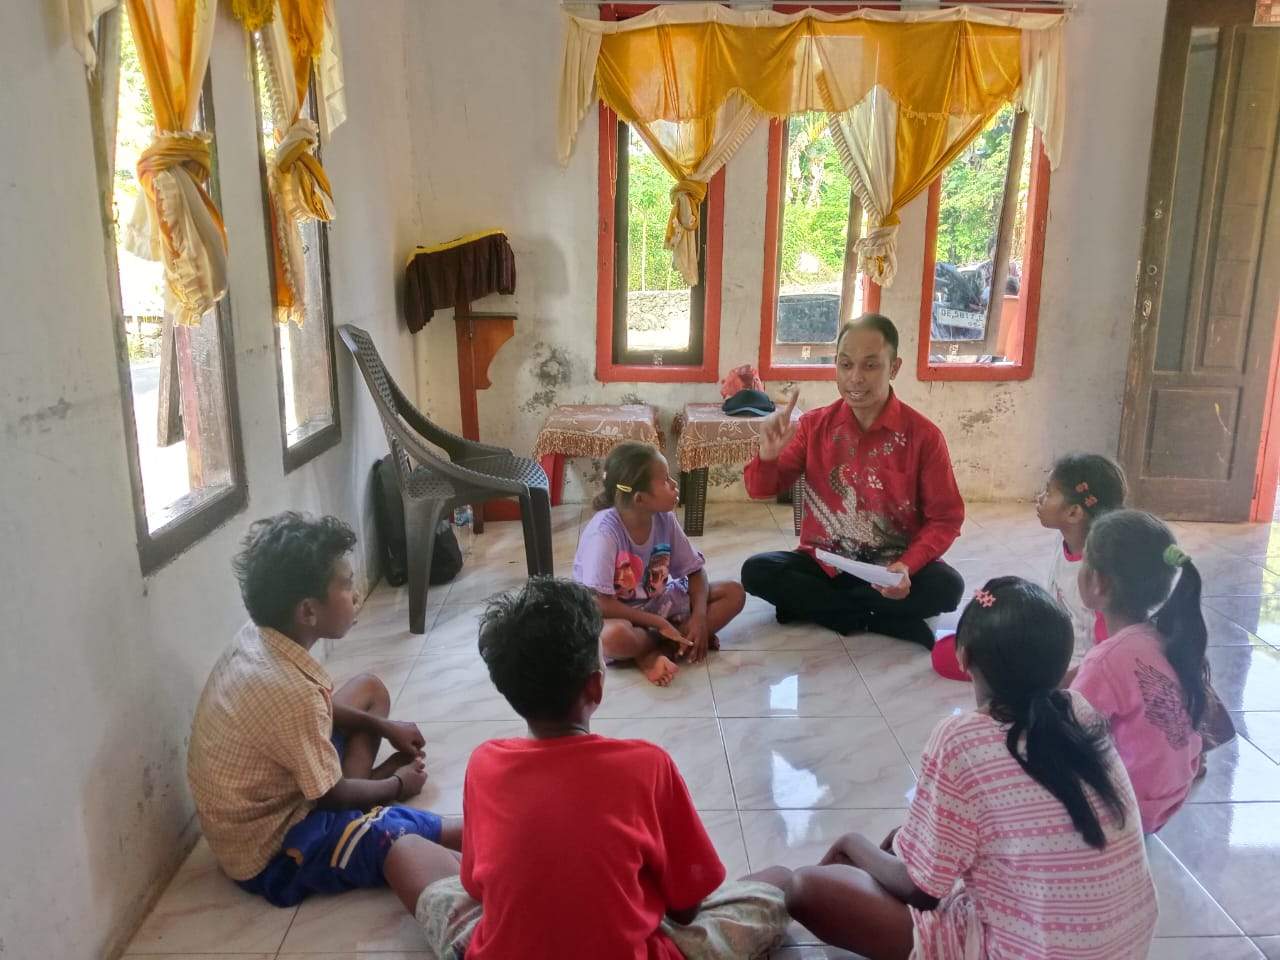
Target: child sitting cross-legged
point(1023, 840)
point(647, 578)
point(577, 846)
point(281, 766)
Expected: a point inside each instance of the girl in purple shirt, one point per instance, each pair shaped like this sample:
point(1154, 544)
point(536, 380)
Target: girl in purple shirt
point(647, 577)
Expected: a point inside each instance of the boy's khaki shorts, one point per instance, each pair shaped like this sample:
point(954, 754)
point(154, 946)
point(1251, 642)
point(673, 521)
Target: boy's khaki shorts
point(742, 919)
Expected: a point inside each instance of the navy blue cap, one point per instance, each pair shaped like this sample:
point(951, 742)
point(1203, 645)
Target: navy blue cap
point(751, 403)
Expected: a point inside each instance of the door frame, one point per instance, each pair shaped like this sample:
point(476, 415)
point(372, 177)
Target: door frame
point(1267, 479)
point(1150, 287)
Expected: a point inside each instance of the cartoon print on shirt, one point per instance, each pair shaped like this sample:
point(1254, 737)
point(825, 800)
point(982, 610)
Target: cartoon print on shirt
point(659, 571)
point(626, 576)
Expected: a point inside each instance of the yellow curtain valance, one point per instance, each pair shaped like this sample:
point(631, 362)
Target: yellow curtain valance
point(906, 91)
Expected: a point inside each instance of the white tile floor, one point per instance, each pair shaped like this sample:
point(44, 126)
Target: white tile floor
point(788, 737)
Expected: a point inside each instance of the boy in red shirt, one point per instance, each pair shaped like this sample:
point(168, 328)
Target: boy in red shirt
point(577, 845)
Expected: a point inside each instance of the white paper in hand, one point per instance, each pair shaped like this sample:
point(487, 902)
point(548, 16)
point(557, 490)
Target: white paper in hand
point(869, 572)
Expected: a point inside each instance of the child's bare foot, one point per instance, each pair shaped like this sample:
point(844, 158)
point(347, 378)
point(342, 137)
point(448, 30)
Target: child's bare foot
point(657, 668)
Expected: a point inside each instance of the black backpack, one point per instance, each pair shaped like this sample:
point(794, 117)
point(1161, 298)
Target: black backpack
point(388, 511)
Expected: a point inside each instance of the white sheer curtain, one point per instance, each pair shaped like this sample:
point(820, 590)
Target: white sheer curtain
point(865, 140)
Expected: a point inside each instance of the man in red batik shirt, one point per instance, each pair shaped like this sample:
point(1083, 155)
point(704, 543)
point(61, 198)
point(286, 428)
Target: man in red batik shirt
point(878, 488)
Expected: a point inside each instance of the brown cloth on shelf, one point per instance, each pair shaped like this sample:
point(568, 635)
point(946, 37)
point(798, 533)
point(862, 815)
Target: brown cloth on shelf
point(464, 270)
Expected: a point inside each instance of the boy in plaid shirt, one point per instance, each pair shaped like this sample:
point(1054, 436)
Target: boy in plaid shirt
point(281, 766)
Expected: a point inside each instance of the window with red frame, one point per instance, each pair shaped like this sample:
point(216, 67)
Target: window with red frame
point(651, 324)
point(811, 280)
point(985, 233)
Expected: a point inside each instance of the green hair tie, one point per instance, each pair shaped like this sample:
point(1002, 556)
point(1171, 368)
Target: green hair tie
point(1175, 556)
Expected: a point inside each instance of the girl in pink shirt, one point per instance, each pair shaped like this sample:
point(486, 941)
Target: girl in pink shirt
point(1149, 678)
point(1022, 841)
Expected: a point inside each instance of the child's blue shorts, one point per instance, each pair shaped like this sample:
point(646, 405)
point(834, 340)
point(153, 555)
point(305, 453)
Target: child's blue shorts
point(330, 851)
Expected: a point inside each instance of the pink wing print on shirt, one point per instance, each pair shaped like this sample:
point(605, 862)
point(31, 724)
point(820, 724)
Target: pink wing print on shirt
point(1164, 709)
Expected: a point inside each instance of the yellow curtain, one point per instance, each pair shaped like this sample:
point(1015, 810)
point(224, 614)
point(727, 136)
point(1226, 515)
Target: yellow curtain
point(298, 185)
point(185, 229)
point(906, 90)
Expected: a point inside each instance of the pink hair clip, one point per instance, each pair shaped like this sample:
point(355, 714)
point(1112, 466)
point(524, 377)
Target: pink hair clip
point(1091, 501)
point(1082, 487)
point(985, 599)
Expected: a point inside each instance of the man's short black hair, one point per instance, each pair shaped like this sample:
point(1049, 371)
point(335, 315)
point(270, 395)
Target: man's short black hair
point(872, 321)
point(541, 644)
point(286, 559)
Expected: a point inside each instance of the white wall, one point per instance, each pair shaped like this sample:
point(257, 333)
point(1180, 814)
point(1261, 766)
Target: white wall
point(100, 667)
point(484, 83)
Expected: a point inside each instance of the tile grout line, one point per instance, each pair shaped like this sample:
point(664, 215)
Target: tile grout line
point(280, 948)
point(1200, 886)
point(733, 787)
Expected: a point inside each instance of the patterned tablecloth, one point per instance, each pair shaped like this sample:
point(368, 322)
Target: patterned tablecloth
point(592, 430)
point(709, 437)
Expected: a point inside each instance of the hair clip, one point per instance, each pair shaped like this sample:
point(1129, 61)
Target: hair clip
point(985, 598)
point(625, 488)
point(1091, 501)
point(1175, 556)
point(1082, 487)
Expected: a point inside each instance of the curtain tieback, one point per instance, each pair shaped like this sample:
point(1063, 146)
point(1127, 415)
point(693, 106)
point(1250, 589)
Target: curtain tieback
point(877, 251)
point(686, 200)
point(169, 150)
point(186, 231)
point(305, 185)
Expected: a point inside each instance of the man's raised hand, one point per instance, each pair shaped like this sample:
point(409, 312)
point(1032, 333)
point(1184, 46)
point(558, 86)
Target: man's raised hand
point(777, 430)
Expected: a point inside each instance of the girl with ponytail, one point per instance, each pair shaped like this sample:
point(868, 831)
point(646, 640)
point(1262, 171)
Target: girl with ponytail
point(1023, 838)
point(1149, 678)
point(658, 605)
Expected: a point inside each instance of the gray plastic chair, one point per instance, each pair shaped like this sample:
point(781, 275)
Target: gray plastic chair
point(433, 486)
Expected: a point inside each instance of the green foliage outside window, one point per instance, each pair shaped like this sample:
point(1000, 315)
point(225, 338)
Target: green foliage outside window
point(135, 123)
point(815, 213)
point(815, 204)
point(972, 191)
point(649, 186)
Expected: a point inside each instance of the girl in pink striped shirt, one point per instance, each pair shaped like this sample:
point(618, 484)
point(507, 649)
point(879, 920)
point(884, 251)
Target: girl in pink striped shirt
point(1023, 840)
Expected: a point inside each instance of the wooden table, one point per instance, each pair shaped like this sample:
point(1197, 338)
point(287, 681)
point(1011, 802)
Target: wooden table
point(707, 437)
point(591, 430)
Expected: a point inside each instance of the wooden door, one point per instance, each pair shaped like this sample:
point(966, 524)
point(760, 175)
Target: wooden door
point(1209, 279)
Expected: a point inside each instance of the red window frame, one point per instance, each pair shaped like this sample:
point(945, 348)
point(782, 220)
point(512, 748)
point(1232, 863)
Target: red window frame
point(769, 294)
point(1020, 340)
point(607, 371)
